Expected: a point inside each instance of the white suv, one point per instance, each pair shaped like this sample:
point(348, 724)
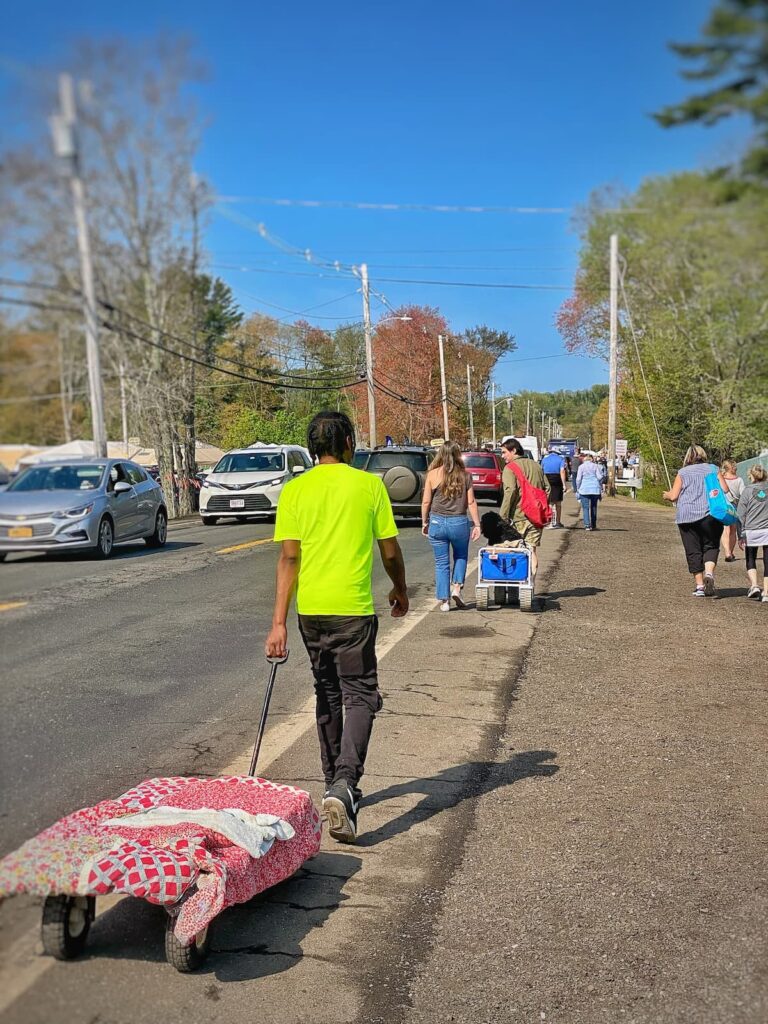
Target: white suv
point(247, 481)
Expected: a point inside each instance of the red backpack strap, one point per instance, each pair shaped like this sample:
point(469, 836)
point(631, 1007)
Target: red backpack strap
point(518, 473)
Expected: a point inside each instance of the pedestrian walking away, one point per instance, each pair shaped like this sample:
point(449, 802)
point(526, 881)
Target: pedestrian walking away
point(752, 511)
point(513, 454)
point(446, 509)
point(554, 468)
point(700, 532)
point(590, 484)
point(735, 487)
point(327, 521)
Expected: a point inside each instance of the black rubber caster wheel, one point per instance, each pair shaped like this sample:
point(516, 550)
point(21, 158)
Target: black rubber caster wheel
point(66, 923)
point(186, 958)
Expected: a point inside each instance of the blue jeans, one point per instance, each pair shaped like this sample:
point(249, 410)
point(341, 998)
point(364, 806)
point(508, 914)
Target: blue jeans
point(446, 532)
point(589, 509)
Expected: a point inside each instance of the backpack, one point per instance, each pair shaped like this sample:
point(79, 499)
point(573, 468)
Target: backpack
point(534, 503)
point(720, 507)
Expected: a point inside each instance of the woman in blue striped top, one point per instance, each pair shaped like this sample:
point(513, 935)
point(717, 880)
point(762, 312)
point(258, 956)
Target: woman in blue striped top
point(699, 531)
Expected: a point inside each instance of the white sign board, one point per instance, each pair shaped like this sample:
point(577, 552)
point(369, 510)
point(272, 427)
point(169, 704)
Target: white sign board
point(621, 448)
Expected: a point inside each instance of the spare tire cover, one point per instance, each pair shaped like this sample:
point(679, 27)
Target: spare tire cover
point(402, 483)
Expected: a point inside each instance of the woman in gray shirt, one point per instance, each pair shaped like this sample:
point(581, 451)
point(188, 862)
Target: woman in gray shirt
point(699, 531)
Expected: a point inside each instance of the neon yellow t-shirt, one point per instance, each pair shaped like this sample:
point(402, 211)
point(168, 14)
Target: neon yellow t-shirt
point(336, 513)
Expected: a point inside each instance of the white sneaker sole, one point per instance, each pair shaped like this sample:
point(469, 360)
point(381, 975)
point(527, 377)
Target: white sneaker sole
point(339, 826)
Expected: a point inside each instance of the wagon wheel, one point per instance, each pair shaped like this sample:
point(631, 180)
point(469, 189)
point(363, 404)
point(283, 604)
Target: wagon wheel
point(66, 923)
point(526, 599)
point(481, 599)
point(186, 958)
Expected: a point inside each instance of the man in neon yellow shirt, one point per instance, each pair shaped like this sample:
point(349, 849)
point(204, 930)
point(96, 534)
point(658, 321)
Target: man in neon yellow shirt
point(327, 521)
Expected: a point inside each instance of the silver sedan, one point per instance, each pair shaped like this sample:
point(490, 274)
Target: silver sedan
point(90, 504)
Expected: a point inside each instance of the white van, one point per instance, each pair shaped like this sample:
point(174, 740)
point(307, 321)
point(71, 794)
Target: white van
point(529, 443)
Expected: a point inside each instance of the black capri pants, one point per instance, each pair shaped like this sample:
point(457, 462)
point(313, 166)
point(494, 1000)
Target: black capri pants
point(751, 557)
point(701, 541)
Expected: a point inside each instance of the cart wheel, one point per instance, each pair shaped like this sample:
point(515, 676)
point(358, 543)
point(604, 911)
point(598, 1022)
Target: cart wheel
point(526, 599)
point(481, 599)
point(186, 958)
point(66, 923)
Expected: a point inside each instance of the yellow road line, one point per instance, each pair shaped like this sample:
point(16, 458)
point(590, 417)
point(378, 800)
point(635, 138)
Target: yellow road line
point(242, 547)
point(12, 604)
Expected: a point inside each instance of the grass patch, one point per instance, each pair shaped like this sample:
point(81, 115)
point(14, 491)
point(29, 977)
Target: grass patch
point(651, 494)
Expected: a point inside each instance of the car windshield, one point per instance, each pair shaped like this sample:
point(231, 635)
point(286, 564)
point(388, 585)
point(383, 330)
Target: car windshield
point(359, 459)
point(59, 478)
point(251, 462)
point(417, 461)
point(480, 462)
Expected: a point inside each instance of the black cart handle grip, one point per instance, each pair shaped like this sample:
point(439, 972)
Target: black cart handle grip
point(278, 661)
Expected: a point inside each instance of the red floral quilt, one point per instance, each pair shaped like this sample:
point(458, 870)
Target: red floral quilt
point(209, 843)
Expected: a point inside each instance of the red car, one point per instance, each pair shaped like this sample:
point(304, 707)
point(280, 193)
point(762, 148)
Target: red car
point(485, 468)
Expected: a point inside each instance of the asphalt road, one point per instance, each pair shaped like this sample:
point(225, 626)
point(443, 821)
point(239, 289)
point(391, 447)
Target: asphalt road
point(147, 664)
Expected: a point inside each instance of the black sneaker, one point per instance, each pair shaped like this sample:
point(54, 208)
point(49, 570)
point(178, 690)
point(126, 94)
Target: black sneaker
point(709, 585)
point(340, 804)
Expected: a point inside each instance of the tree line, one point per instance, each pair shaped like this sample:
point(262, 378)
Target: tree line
point(693, 332)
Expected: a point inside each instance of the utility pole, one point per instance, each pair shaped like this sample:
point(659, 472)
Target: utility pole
point(493, 411)
point(528, 418)
point(543, 414)
point(368, 355)
point(443, 391)
point(64, 132)
point(469, 403)
point(123, 408)
point(613, 364)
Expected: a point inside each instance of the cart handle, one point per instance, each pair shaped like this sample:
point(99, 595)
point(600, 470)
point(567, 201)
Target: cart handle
point(278, 661)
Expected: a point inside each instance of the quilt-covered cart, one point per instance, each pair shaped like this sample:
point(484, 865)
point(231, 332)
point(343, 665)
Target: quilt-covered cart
point(503, 574)
point(194, 846)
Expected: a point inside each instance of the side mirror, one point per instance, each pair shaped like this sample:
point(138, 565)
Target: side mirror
point(299, 469)
point(122, 486)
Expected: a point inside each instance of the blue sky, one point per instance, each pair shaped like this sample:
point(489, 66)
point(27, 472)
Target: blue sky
point(494, 103)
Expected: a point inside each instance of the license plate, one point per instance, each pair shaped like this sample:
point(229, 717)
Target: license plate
point(237, 502)
point(476, 476)
point(20, 531)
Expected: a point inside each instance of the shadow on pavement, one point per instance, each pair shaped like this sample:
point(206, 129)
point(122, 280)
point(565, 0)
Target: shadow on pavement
point(252, 940)
point(453, 785)
point(121, 553)
point(573, 592)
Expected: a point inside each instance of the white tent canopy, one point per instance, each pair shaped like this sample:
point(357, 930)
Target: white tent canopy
point(205, 454)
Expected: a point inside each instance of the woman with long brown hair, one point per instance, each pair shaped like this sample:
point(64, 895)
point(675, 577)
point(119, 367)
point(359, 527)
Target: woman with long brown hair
point(446, 508)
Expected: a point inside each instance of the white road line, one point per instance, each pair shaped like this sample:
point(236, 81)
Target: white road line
point(23, 964)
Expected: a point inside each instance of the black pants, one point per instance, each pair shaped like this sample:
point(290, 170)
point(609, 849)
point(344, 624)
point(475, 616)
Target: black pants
point(751, 556)
point(342, 650)
point(701, 541)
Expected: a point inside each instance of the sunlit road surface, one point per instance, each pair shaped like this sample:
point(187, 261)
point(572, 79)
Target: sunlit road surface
point(147, 663)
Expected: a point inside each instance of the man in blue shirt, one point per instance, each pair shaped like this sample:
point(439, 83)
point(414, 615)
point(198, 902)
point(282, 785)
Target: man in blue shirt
point(553, 466)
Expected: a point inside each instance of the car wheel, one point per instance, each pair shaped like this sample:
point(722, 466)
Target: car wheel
point(159, 537)
point(402, 484)
point(106, 539)
point(209, 520)
point(500, 498)
point(3, 555)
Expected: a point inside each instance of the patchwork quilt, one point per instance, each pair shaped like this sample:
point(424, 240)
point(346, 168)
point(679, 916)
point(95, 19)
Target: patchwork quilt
point(197, 845)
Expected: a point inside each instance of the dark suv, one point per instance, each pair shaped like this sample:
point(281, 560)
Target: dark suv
point(403, 470)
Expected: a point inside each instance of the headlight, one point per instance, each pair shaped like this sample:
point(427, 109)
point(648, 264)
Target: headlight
point(210, 483)
point(74, 513)
point(274, 483)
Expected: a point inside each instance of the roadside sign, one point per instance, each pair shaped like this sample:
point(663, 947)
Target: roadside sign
point(621, 448)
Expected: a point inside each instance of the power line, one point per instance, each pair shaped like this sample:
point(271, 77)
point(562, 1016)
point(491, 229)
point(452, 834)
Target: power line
point(227, 359)
point(232, 373)
point(347, 204)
